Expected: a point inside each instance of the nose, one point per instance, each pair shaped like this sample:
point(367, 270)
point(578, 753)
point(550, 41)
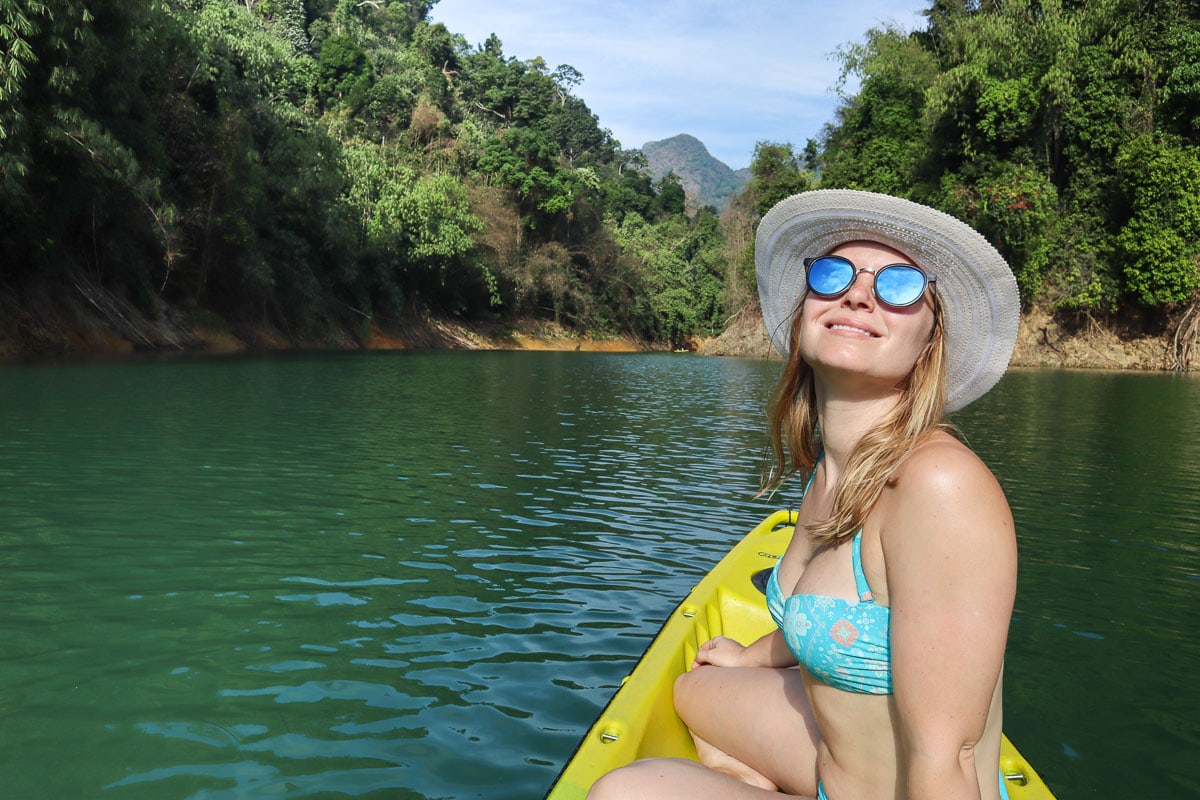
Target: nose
point(861, 292)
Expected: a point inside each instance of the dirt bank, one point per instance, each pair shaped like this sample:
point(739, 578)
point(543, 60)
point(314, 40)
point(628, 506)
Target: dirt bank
point(83, 320)
point(1043, 340)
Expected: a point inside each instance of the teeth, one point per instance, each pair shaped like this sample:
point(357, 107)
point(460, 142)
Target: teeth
point(837, 327)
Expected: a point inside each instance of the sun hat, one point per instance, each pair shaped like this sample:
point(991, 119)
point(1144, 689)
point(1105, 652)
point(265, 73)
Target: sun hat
point(975, 285)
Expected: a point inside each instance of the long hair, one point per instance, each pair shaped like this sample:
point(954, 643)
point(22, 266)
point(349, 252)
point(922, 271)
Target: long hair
point(794, 439)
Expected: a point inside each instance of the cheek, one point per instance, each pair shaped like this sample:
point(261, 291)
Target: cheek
point(807, 315)
point(920, 335)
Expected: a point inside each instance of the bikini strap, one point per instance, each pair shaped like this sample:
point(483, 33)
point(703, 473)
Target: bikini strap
point(865, 594)
point(812, 476)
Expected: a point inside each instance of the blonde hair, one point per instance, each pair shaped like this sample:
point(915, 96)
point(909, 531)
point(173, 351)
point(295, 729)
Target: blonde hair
point(794, 439)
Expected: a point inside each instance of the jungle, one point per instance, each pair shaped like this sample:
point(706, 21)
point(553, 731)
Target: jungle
point(329, 169)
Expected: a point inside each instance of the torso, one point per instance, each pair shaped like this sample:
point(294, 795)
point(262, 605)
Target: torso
point(852, 722)
point(842, 643)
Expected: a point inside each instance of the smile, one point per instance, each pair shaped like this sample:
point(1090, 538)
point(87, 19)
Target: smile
point(842, 326)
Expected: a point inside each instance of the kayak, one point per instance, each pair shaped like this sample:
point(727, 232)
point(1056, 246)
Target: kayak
point(640, 720)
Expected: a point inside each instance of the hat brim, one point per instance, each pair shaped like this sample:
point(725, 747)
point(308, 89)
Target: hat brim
point(976, 287)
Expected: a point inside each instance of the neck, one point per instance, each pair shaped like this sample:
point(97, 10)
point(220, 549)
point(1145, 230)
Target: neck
point(844, 422)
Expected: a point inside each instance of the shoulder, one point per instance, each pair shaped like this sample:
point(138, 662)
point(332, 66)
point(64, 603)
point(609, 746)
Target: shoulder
point(942, 467)
point(946, 530)
point(944, 486)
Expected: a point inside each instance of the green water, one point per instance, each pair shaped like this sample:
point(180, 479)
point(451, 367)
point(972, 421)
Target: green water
point(420, 575)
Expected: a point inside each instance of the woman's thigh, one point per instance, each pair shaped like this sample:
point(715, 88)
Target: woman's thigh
point(761, 717)
point(672, 779)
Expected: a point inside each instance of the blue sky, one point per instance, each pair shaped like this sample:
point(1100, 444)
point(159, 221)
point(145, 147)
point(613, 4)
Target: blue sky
point(729, 73)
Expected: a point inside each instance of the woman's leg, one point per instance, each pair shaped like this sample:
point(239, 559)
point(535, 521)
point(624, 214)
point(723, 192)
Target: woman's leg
point(753, 724)
point(717, 759)
point(672, 779)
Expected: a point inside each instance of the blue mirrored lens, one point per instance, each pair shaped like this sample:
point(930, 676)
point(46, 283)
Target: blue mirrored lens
point(899, 285)
point(830, 276)
point(896, 285)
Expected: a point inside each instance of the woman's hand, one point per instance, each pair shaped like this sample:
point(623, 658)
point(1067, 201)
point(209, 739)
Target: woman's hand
point(769, 651)
point(720, 651)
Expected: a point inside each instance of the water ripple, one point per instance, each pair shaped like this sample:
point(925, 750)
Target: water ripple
point(421, 575)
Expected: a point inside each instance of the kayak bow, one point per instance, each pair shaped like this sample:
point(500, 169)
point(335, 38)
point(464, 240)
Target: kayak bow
point(640, 720)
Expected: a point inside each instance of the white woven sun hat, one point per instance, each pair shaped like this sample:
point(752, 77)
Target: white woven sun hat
point(975, 285)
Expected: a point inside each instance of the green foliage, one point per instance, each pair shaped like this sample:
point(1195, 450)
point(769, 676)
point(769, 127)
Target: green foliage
point(435, 220)
point(525, 160)
point(631, 193)
point(670, 194)
point(880, 141)
point(775, 174)
point(681, 267)
point(343, 72)
point(1005, 114)
point(1055, 128)
point(77, 164)
point(1160, 242)
point(418, 224)
point(1015, 207)
point(37, 76)
point(289, 160)
point(240, 58)
point(1181, 84)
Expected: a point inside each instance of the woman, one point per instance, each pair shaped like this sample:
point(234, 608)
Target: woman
point(883, 680)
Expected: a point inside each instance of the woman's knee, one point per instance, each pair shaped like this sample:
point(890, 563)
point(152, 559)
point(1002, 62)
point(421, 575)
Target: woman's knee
point(628, 782)
point(609, 787)
point(669, 779)
point(692, 692)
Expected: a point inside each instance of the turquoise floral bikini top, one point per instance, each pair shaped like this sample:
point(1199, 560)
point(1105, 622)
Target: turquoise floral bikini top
point(843, 644)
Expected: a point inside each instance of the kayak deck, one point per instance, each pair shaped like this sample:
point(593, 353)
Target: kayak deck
point(640, 720)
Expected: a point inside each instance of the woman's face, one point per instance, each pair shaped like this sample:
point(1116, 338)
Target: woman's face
point(867, 344)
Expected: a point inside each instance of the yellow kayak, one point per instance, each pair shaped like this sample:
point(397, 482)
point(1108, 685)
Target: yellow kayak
point(640, 720)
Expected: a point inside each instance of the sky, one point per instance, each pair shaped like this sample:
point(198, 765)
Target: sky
point(731, 73)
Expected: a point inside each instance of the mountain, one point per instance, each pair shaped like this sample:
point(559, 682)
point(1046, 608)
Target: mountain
point(706, 181)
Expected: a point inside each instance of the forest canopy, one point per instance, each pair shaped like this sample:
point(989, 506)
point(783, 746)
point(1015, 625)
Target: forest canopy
point(316, 163)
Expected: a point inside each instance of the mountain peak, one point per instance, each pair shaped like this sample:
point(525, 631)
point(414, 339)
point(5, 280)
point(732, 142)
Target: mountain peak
point(681, 141)
point(706, 180)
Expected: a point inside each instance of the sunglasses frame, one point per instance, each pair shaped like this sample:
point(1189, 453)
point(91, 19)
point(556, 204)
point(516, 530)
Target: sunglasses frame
point(930, 279)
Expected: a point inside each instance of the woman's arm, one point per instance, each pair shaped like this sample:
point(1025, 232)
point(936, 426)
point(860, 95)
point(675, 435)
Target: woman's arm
point(951, 564)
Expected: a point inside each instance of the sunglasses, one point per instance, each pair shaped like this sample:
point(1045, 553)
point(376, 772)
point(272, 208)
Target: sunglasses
point(896, 285)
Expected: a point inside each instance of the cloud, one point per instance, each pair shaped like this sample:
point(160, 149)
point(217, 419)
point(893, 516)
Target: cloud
point(730, 74)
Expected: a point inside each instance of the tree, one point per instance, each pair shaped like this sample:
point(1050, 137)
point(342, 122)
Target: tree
point(880, 142)
point(1015, 206)
point(681, 266)
point(343, 72)
point(523, 159)
point(77, 137)
point(671, 196)
point(775, 173)
point(1160, 242)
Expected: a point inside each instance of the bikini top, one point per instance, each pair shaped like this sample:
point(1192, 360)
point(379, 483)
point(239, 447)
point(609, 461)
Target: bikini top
point(843, 644)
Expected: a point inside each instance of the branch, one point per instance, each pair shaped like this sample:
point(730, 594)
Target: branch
point(482, 107)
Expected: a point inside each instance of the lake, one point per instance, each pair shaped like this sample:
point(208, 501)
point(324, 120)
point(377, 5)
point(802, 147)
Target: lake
point(422, 574)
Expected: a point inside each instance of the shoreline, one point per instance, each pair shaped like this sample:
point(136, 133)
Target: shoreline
point(103, 327)
point(1042, 341)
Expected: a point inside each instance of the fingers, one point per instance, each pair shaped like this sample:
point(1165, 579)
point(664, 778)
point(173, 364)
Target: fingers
point(720, 651)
